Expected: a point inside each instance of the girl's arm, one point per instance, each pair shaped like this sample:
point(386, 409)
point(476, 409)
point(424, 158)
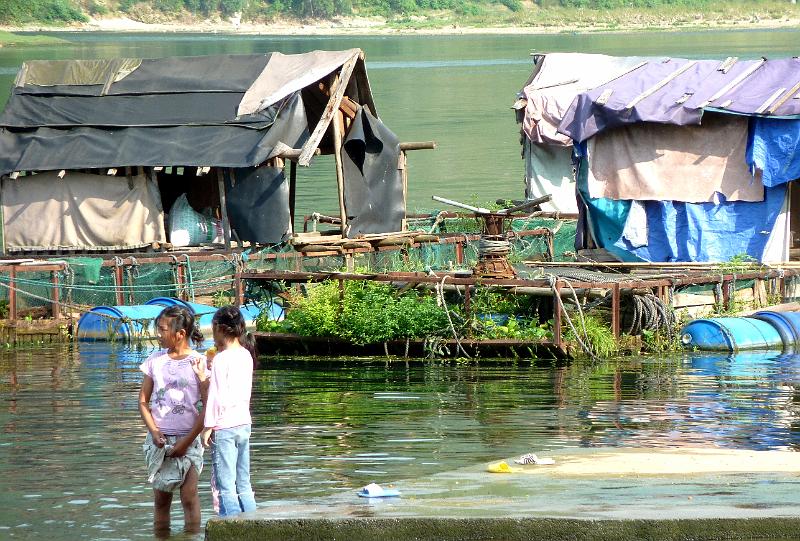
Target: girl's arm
point(144, 410)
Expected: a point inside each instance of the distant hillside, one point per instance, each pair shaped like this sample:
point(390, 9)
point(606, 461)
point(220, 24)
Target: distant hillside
point(594, 14)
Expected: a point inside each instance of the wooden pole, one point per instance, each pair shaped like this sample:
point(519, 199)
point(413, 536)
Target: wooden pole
point(223, 208)
point(56, 307)
point(557, 339)
point(337, 153)
point(2, 221)
point(12, 294)
point(118, 285)
point(615, 313)
point(292, 190)
point(404, 176)
point(239, 289)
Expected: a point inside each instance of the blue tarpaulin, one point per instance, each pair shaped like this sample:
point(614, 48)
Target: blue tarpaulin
point(773, 146)
point(678, 231)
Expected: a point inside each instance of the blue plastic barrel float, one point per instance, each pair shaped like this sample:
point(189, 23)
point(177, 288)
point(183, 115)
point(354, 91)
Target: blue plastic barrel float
point(125, 323)
point(205, 312)
point(768, 331)
point(129, 323)
point(786, 323)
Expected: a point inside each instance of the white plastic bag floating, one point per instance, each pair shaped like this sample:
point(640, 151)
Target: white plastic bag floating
point(187, 227)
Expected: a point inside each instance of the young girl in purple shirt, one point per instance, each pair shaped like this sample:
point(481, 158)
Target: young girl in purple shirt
point(170, 401)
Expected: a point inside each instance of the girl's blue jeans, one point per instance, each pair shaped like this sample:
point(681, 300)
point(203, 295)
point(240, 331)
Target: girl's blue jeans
point(230, 473)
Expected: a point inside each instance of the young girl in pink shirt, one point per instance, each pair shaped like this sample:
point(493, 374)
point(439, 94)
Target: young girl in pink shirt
point(227, 414)
point(170, 401)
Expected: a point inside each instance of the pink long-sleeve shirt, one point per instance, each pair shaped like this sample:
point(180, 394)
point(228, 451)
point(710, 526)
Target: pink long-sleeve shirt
point(231, 382)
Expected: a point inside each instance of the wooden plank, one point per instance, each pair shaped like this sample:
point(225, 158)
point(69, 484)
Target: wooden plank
point(661, 84)
point(330, 109)
point(786, 96)
point(728, 87)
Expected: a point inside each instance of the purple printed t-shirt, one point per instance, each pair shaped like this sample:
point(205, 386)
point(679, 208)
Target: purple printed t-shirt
point(175, 402)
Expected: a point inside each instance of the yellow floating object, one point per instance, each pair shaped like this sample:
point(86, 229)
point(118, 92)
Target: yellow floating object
point(502, 467)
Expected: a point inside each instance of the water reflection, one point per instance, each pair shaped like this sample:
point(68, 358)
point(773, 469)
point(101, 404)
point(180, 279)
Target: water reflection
point(70, 441)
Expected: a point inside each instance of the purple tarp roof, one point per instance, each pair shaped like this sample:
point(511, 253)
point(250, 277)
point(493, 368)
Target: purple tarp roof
point(677, 91)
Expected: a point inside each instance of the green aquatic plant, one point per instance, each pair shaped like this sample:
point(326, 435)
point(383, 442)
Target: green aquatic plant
point(739, 264)
point(514, 328)
point(361, 312)
point(595, 334)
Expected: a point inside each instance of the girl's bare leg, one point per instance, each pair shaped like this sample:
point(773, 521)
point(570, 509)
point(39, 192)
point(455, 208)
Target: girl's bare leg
point(162, 503)
point(190, 500)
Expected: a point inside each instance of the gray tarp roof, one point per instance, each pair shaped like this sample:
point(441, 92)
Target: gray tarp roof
point(226, 110)
point(678, 91)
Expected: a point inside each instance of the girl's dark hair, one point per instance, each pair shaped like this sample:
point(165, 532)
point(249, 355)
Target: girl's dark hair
point(230, 322)
point(179, 318)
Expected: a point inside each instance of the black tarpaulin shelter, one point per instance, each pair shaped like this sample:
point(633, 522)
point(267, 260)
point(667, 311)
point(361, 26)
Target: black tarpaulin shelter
point(216, 115)
point(224, 111)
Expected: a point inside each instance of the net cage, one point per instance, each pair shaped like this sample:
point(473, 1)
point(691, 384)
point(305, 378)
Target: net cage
point(86, 281)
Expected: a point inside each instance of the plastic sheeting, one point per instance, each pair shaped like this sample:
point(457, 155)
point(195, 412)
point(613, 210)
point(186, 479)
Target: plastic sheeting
point(165, 111)
point(83, 147)
point(86, 72)
point(285, 74)
point(549, 171)
point(678, 231)
point(258, 204)
point(773, 148)
point(649, 161)
point(661, 92)
point(558, 78)
point(373, 185)
point(81, 211)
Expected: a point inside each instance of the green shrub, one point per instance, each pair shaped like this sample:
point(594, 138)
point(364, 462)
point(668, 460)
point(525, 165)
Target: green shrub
point(513, 5)
point(47, 11)
point(367, 313)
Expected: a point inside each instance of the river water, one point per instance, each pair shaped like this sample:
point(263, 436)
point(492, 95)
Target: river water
point(70, 465)
point(455, 90)
point(70, 433)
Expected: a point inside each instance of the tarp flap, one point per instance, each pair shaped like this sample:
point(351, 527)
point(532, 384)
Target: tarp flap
point(373, 186)
point(675, 163)
point(661, 92)
point(706, 231)
point(677, 231)
point(285, 74)
point(258, 204)
point(549, 171)
point(773, 148)
point(559, 78)
point(81, 211)
point(76, 72)
point(88, 147)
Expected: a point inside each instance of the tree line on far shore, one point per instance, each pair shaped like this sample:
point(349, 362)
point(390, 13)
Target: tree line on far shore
point(67, 11)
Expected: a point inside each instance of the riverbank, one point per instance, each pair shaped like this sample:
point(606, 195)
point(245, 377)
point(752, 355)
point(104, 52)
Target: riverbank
point(598, 494)
point(536, 21)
